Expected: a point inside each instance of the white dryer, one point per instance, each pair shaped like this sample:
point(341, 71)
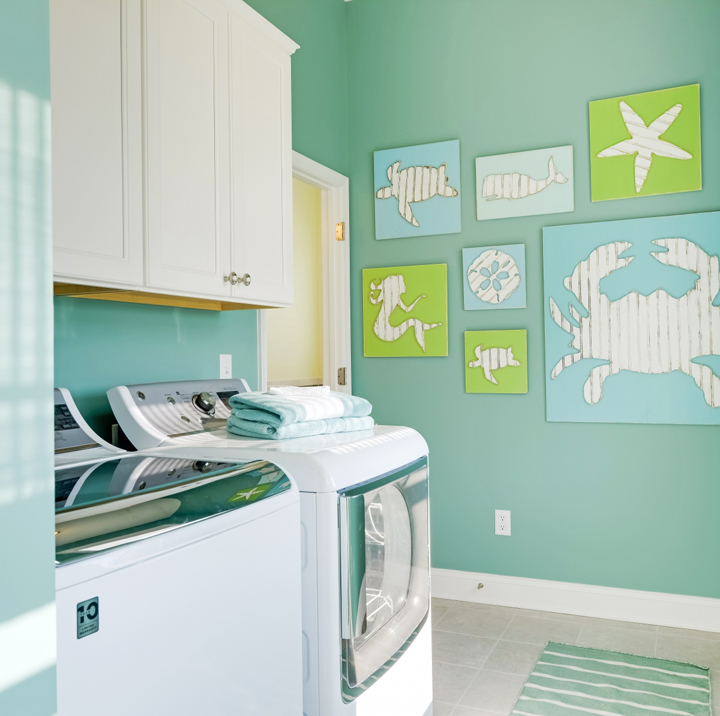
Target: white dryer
point(177, 581)
point(365, 561)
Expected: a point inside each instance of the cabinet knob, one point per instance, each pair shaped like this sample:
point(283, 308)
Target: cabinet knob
point(245, 279)
point(232, 278)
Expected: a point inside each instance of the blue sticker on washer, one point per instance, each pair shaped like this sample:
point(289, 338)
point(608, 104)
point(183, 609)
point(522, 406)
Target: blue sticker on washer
point(88, 617)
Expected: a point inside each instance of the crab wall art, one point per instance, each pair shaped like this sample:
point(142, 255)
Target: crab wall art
point(494, 277)
point(645, 144)
point(632, 320)
point(405, 311)
point(417, 190)
point(525, 183)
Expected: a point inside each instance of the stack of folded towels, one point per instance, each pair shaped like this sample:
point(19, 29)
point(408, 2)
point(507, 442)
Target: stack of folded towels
point(284, 413)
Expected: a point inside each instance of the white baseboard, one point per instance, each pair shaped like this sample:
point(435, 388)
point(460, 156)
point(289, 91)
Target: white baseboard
point(629, 605)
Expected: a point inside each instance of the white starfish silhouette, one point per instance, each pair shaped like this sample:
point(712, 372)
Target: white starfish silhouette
point(646, 141)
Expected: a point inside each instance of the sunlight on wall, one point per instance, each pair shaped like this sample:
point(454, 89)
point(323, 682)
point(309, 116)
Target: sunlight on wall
point(27, 608)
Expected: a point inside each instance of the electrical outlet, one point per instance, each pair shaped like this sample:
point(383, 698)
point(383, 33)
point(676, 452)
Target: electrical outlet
point(502, 523)
point(225, 366)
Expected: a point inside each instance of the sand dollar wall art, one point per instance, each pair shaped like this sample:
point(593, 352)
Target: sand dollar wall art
point(525, 183)
point(632, 321)
point(496, 362)
point(494, 277)
point(405, 311)
point(417, 190)
point(646, 144)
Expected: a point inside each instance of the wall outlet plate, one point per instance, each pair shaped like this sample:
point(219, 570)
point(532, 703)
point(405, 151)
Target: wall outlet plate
point(502, 523)
point(225, 366)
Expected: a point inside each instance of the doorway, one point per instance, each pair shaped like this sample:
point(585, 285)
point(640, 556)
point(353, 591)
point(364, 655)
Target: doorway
point(308, 343)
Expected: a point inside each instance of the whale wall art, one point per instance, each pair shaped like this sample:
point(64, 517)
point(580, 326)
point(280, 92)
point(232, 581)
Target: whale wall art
point(405, 311)
point(496, 362)
point(494, 277)
point(646, 144)
point(525, 183)
point(632, 321)
point(417, 190)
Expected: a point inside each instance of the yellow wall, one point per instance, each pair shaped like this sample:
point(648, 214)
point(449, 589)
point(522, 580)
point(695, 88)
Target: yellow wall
point(294, 335)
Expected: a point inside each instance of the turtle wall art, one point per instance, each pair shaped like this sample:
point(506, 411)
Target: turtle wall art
point(417, 190)
point(646, 144)
point(494, 277)
point(632, 320)
point(496, 362)
point(405, 311)
point(525, 183)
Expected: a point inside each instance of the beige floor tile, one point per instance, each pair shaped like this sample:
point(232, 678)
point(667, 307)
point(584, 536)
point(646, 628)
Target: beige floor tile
point(633, 626)
point(450, 681)
point(476, 620)
point(493, 691)
point(462, 649)
point(551, 615)
point(702, 652)
point(513, 657)
point(465, 711)
point(437, 613)
point(439, 602)
point(440, 708)
point(537, 630)
point(691, 633)
point(629, 641)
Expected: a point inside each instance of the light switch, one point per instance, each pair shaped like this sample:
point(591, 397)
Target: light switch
point(225, 366)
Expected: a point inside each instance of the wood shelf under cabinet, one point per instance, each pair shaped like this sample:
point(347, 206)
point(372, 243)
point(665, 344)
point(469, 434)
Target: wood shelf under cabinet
point(100, 293)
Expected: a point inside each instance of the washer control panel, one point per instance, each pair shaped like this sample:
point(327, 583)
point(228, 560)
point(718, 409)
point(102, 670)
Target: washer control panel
point(180, 408)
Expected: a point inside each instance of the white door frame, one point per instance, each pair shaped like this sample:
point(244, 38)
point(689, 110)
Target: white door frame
point(335, 208)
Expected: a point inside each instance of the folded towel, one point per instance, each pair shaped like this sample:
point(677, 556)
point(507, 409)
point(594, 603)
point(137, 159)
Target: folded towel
point(279, 410)
point(297, 390)
point(251, 429)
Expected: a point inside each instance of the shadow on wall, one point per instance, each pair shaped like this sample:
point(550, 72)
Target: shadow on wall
point(27, 609)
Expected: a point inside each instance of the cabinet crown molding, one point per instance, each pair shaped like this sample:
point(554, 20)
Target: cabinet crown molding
point(264, 25)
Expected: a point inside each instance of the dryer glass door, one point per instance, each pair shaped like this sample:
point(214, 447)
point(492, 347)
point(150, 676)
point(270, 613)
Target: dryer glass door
point(385, 572)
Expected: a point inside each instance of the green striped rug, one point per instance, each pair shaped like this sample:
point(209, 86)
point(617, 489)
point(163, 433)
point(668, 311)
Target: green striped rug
point(576, 679)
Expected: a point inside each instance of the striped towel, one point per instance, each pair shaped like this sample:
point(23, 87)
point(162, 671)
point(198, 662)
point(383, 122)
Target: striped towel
point(578, 680)
point(251, 429)
point(277, 410)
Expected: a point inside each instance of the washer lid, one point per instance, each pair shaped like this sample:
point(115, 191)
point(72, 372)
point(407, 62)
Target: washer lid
point(111, 503)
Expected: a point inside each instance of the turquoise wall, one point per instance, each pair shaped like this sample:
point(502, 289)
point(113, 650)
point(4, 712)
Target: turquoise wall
point(99, 344)
point(27, 569)
point(619, 505)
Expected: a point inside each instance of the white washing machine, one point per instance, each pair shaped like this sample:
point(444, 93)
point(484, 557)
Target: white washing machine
point(177, 581)
point(365, 561)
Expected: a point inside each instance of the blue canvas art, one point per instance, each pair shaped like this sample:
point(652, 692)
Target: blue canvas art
point(525, 183)
point(494, 277)
point(632, 320)
point(417, 190)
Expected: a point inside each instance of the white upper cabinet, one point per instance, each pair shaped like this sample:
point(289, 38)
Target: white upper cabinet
point(187, 145)
point(96, 140)
point(172, 149)
point(261, 166)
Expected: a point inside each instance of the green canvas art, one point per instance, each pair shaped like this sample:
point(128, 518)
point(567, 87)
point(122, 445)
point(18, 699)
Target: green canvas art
point(405, 311)
point(646, 144)
point(496, 362)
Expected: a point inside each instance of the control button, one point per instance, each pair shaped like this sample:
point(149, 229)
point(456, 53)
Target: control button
point(185, 418)
point(141, 395)
point(142, 485)
point(205, 402)
point(171, 400)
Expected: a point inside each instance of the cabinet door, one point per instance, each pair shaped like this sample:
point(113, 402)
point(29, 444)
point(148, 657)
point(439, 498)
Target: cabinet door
point(187, 146)
point(261, 165)
point(96, 140)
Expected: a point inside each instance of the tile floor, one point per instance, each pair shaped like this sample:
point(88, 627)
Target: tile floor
point(483, 654)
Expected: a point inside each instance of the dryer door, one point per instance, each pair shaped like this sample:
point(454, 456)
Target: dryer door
point(385, 572)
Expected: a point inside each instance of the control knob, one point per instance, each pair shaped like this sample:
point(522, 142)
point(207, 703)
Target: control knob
point(205, 402)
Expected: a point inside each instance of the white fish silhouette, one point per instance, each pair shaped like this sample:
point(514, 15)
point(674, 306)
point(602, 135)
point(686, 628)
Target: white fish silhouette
point(415, 184)
point(519, 186)
point(491, 359)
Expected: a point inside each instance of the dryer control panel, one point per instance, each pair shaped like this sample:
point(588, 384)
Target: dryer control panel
point(152, 412)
